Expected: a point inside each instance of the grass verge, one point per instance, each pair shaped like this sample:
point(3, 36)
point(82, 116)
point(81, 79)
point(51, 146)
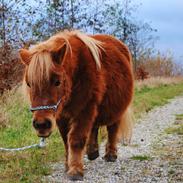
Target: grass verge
point(29, 165)
point(16, 130)
point(147, 98)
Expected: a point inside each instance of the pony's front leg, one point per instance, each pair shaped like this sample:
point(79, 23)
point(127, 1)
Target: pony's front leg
point(63, 125)
point(77, 139)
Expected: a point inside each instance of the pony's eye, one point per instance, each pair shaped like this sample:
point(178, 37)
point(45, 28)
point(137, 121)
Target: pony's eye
point(28, 84)
point(57, 83)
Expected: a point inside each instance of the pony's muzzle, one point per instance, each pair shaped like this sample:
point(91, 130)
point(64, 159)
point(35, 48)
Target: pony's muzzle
point(43, 128)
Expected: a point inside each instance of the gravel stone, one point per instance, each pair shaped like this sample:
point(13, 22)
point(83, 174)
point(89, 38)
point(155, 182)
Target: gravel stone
point(148, 133)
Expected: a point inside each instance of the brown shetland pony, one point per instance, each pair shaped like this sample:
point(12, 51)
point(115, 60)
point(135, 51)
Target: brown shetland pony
point(89, 81)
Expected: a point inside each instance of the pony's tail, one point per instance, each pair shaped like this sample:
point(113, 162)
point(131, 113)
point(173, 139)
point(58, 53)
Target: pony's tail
point(126, 126)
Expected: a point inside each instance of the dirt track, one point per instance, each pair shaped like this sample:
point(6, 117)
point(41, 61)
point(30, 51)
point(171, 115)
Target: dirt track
point(153, 155)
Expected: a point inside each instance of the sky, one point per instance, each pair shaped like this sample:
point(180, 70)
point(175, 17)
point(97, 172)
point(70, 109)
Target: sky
point(167, 17)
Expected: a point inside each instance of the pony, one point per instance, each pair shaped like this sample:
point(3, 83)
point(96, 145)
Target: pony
point(79, 82)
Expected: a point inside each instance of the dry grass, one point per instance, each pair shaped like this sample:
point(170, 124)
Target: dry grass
point(2, 120)
point(155, 82)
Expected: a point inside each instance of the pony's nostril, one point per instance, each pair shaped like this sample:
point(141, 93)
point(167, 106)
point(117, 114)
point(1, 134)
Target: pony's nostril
point(47, 124)
point(42, 125)
point(36, 124)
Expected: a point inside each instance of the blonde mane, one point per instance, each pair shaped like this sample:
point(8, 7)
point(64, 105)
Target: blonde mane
point(93, 45)
point(39, 67)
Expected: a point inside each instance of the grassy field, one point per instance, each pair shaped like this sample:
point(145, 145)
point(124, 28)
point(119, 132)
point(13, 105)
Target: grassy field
point(16, 130)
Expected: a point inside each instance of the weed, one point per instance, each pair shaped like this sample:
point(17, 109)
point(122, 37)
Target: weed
point(141, 157)
point(179, 117)
point(176, 129)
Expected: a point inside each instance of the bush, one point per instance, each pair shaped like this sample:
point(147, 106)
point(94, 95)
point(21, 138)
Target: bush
point(10, 68)
point(141, 73)
point(160, 65)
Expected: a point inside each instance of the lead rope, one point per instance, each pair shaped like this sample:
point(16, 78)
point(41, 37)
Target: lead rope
point(41, 144)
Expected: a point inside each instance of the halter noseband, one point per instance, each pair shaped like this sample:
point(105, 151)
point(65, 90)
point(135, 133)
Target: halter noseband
point(46, 107)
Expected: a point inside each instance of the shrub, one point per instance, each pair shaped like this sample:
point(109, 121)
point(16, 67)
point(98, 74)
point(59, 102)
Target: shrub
point(160, 65)
point(10, 68)
point(141, 73)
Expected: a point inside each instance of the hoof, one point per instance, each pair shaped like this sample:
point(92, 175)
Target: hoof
point(110, 157)
point(77, 177)
point(93, 155)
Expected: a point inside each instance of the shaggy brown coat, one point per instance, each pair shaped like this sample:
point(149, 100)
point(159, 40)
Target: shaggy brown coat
point(93, 77)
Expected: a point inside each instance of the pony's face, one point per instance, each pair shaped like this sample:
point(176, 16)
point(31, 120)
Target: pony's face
point(49, 94)
point(47, 85)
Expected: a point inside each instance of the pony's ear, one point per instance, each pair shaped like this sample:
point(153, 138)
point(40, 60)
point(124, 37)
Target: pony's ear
point(25, 56)
point(59, 54)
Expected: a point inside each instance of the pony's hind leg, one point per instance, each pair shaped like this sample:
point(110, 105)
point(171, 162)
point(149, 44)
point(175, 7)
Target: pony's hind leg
point(122, 129)
point(92, 147)
point(111, 146)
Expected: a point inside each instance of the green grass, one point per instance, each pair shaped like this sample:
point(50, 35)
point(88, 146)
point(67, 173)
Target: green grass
point(141, 157)
point(148, 98)
point(169, 151)
point(29, 165)
point(177, 128)
point(179, 117)
point(16, 131)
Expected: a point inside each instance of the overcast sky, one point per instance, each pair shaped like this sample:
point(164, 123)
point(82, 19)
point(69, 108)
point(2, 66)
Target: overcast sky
point(167, 17)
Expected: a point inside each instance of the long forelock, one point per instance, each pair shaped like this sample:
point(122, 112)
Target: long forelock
point(38, 71)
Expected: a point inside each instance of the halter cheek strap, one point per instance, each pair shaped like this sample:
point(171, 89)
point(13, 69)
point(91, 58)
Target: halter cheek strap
point(46, 107)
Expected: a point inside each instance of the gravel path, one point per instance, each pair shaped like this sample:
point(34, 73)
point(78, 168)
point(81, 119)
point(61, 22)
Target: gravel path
point(148, 132)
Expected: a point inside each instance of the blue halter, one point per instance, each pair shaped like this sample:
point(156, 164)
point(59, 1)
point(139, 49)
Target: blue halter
point(46, 107)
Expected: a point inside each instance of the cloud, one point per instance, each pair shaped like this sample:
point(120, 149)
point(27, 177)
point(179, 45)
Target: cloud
point(167, 18)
